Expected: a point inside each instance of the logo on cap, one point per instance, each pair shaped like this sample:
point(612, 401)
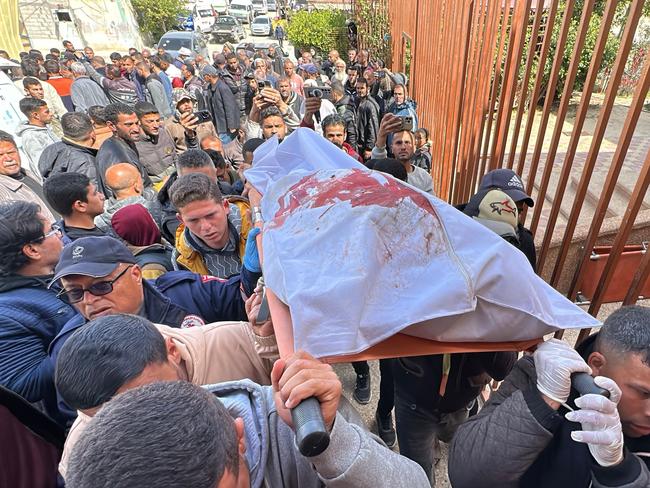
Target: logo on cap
point(77, 252)
point(515, 181)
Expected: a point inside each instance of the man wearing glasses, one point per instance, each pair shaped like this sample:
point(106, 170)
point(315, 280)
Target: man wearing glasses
point(31, 315)
point(100, 277)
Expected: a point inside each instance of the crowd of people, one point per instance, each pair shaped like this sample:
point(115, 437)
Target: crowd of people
point(130, 277)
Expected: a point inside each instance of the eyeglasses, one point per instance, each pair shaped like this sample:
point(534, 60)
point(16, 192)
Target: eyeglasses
point(98, 289)
point(55, 230)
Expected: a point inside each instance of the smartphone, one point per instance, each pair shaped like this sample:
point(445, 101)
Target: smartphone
point(202, 116)
point(583, 383)
point(407, 123)
point(323, 92)
point(264, 84)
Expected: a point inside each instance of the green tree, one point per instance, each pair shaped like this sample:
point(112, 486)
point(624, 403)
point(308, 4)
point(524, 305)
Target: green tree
point(155, 17)
point(321, 29)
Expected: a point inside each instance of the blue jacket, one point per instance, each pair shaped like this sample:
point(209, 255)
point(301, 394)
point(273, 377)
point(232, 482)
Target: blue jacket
point(31, 316)
point(173, 296)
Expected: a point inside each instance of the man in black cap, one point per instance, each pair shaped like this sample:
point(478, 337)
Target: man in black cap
point(510, 183)
point(99, 276)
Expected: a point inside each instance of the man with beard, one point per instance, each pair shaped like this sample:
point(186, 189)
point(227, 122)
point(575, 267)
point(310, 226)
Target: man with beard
point(350, 84)
point(345, 108)
point(155, 93)
point(155, 145)
point(183, 127)
point(403, 148)
point(277, 60)
point(233, 75)
point(297, 83)
point(367, 119)
point(339, 74)
point(130, 73)
point(290, 97)
point(121, 148)
point(193, 84)
point(222, 105)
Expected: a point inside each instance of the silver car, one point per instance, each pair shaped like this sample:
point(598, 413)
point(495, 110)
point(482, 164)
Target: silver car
point(227, 28)
point(261, 26)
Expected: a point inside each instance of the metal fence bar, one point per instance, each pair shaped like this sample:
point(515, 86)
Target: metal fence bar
point(614, 172)
point(550, 96)
point(599, 132)
point(640, 277)
point(560, 117)
point(534, 95)
point(521, 105)
point(583, 107)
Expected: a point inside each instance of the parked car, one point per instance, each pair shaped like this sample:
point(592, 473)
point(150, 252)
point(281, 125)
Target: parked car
point(172, 41)
point(221, 6)
point(260, 7)
point(262, 26)
point(204, 16)
point(272, 6)
point(228, 28)
point(263, 47)
point(242, 10)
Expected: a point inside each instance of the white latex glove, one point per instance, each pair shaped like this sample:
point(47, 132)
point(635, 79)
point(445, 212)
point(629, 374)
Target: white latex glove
point(555, 361)
point(602, 430)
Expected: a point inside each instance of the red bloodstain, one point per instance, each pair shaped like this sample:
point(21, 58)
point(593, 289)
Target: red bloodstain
point(358, 187)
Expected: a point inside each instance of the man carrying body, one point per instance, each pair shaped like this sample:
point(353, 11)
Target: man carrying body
point(35, 133)
point(403, 148)
point(546, 440)
point(78, 201)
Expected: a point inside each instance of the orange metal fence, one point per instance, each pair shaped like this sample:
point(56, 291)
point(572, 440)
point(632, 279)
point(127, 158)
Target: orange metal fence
point(479, 71)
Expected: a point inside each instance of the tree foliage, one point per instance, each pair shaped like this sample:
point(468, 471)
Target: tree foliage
point(373, 23)
point(155, 17)
point(321, 29)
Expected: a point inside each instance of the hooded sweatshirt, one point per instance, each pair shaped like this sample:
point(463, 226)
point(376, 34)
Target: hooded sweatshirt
point(213, 353)
point(34, 141)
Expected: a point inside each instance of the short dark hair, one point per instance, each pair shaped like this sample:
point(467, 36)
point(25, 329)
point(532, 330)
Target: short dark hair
point(362, 81)
point(62, 190)
point(114, 56)
point(112, 111)
point(194, 158)
point(423, 131)
point(337, 87)
point(194, 187)
point(99, 60)
point(216, 157)
point(167, 58)
point(76, 125)
point(155, 60)
point(6, 137)
point(30, 81)
point(127, 57)
point(626, 331)
point(29, 105)
point(190, 68)
point(230, 55)
point(54, 50)
point(19, 225)
point(114, 70)
point(390, 166)
point(105, 354)
point(272, 111)
point(251, 144)
point(194, 434)
point(52, 66)
point(145, 108)
point(30, 68)
point(97, 114)
point(332, 120)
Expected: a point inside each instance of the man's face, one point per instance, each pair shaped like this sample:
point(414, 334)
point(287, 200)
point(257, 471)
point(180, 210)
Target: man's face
point(128, 127)
point(164, 65)
point(306, 57)
point(363, 58)
point(185, 106)
point(90, 54)
point(185, 72)
point(44, 114)
point(362, 89)
point(335, 134)
point(399, 94)
point(127, 295)
point(339, 67)
point(95, 201)
point(150, 124)
point(419, 139)
point(402, 146)
point(369, 76)
point(353, 74)
point(68, 46)
point(161, 51)
point(232, 64)
point(9, 159)
point(274, 126)
point(632, 376)
point(332, 56)
point(50, 247)
point(352, 55)
point(127, 64)
point(146, 54)
point(208, 220)
point(241, 54)
point(289, 69)
point(35, 91)
point(284, 87)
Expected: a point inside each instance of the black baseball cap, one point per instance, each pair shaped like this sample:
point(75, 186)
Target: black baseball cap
point(509, 182)
point(92, 256)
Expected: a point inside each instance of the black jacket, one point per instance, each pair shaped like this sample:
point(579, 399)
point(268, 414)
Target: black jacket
point(367, 124)
point(169, 220)
point(67, 157)
point(345, 108)
point(114, 150)
point(223, 106)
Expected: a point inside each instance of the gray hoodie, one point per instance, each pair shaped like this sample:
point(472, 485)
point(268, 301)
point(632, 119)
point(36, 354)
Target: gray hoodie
point(355, 457)
point(34, 141)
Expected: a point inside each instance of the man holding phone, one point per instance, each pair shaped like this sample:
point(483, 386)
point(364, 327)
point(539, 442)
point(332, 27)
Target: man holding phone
point(222, 104)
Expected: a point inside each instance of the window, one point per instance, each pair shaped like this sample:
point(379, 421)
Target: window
point(226, 21)
point(175, 43)
point(63, 16)
point(205, 13)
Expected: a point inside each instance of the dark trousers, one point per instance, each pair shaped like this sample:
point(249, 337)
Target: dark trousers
point(386, 387)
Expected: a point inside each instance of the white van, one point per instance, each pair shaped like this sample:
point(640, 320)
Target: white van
point(221, 6)
point(260, 7)
point(204, 16)
point(242, 10)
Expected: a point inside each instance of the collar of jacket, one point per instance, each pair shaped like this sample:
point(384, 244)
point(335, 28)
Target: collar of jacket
point(90, 150)
point(159, 309)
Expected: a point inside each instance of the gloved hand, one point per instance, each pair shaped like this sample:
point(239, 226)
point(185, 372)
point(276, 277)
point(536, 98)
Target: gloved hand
point(251, 259)
point(555, 361)
point(602, 430)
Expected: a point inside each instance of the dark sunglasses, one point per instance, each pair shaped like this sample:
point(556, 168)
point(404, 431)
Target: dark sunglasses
point(101, 288)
